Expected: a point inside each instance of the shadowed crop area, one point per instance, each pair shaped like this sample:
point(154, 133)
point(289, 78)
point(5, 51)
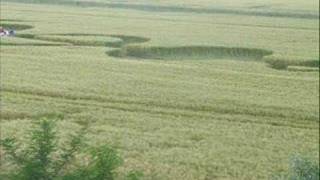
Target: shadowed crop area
point(282, 64)
point(183, 89)
point(190, 52)
point(17, 27)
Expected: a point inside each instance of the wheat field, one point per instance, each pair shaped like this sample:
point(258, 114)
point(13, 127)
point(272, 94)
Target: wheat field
point(182, 89)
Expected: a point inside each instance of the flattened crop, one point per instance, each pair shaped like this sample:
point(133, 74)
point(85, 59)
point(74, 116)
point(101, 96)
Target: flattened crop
point(190, 52)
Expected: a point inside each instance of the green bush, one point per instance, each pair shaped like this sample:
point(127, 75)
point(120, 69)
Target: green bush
point(42, 159)
point(134, 175)
point(301, 168)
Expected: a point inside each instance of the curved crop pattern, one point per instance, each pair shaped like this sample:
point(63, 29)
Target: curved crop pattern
point(124, 48)
point(190, 52)
point(122, 40)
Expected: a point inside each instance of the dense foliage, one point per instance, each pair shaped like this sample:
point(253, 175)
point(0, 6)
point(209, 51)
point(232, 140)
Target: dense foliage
point(42, 159)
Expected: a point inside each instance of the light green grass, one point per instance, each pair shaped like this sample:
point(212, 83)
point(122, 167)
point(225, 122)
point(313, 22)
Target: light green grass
point(172, 119)
point(86, 38)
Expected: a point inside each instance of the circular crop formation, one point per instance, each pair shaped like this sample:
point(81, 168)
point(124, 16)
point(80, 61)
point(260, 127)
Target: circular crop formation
point(124, 48)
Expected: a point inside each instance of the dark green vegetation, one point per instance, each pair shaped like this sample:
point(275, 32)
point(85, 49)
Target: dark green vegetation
point(300, 168)
point(11, 20)
point(190, 52)
point(44, 159)
point(280, 64)
point(17, 27)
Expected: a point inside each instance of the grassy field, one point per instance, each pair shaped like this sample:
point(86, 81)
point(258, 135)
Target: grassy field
point(231, 93)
